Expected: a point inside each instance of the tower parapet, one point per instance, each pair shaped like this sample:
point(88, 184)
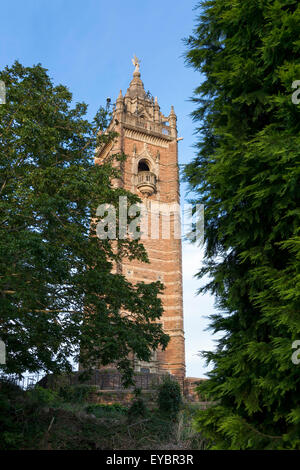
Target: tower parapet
point(138, 109)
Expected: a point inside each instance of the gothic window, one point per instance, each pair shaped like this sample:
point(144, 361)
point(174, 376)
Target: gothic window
point(143, 166)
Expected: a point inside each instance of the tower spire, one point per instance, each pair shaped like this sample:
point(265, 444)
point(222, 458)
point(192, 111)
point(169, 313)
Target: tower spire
point(136, 87)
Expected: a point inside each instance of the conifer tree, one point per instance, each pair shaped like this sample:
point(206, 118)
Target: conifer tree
point(246, 173)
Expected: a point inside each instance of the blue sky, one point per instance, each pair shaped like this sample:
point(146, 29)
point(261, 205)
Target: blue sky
point(88, 46)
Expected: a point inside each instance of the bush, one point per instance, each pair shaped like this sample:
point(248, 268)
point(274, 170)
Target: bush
point(137, 409)
point(9, 388)
point(169, 397)
point(11, 437)
point(14, 411)
point(75, 393)
point(39, 396)
point(102, 410)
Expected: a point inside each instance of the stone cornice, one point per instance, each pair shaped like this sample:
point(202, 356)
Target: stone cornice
point(150, 137)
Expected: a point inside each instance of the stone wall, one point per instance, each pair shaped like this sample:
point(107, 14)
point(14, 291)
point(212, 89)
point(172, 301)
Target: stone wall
point(123, 397)
point(190, 385)
point(104, 379)
point(108, 387)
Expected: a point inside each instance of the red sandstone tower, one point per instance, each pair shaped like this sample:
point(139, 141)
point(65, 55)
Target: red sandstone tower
point(149, 139)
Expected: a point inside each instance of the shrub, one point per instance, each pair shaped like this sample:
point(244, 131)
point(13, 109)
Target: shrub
point(13, 414)
point(99, 409)
point(9, 431)
point(137, 408)
point(39, 396)
point(169, 397)
point(75, 393)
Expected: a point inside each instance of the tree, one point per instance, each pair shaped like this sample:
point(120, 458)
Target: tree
point(169, 397)
point(246, 173)
point(59, 292)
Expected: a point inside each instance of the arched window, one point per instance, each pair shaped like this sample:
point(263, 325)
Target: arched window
point(143, 166)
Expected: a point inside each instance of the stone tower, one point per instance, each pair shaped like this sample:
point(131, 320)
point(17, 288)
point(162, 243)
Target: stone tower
point(149, 139)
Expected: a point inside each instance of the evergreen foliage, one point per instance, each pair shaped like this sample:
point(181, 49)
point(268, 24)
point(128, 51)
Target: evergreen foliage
point(246, 173)
point(169, 397)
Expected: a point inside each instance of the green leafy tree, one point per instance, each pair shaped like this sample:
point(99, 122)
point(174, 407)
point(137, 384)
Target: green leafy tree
point(246, 173)
point(169, 397)
point(59, 292)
